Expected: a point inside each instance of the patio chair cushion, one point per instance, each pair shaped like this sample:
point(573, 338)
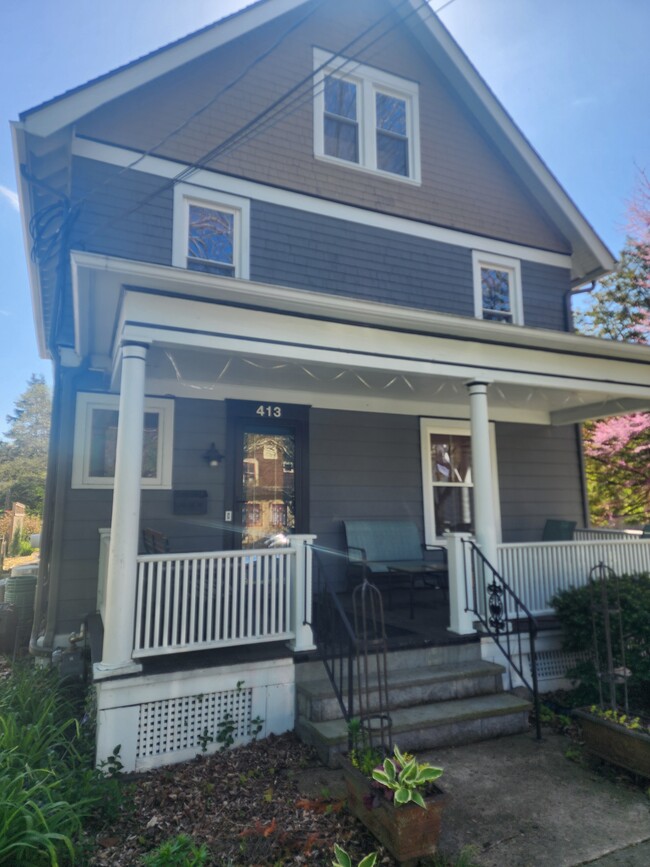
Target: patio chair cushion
point(382, 541)
point(557, 530)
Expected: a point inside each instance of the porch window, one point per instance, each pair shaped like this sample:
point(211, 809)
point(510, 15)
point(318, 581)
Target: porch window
point(210, 232)
point(497, 289)
point(365, 117)
point(447, 480)
point(95, 441)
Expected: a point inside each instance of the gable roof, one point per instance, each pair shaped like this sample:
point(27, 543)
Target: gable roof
point(590, 256)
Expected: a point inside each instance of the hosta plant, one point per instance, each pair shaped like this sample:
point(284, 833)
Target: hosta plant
point(342, 859)
point(405, 777)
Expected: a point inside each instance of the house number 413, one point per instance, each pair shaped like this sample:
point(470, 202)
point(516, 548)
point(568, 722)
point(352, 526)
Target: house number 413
point(269, 411)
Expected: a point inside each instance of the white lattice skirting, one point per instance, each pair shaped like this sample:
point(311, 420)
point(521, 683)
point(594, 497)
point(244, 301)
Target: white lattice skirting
point(162, 719)
point(552, 660)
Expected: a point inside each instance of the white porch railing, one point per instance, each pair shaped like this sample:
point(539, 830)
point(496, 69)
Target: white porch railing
point(214, 599)
point(603, 534)
point(536, 571)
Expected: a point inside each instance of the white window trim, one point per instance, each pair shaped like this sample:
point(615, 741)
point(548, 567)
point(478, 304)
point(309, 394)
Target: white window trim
point(87, 402)
point(369, 82)
point(189, 194)
point(460, 428)
point(480, 260)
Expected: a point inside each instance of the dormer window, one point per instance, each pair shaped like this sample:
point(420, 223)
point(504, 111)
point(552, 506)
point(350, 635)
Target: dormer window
point(497, 289)
point(210, 232)
point(365, 117)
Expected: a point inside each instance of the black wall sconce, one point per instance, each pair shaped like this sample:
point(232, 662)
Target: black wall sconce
point(213, 456)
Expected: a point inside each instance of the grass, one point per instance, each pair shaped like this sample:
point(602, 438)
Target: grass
point(49, 788)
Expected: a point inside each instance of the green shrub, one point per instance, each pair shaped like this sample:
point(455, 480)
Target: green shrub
point(24, 548)
point(573, 609)
point(48, 784)
point(179, 851)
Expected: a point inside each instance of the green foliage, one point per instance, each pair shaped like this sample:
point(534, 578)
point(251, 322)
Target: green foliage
point(342, 859)
point(48, 786)
point(23, 457)
point(179, 851)
point(362, 755)
point(573, 608)
point(405, 777)
point(633, 723)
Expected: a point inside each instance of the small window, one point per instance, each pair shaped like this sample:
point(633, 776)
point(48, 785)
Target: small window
point(95, 441)
point(210, 232)
point(447, 480)
point(497, 289)
point(366, 117)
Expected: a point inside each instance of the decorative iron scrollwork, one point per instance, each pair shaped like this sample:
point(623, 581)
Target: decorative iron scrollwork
point(495, 604)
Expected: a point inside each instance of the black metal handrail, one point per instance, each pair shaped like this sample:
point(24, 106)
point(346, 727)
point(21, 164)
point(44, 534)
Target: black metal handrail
point(335, 639)
point(501, 613)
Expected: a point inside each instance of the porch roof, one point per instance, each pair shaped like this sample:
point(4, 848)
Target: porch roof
point(217, 337)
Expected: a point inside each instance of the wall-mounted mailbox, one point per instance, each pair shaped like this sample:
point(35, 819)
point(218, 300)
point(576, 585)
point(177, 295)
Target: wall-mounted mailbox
point(190, 502)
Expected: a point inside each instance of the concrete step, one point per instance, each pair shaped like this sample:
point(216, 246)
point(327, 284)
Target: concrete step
point(410, 658)
point(426, 726)
point(407, 687)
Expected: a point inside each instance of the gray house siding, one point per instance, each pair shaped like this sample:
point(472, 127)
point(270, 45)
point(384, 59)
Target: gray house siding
point(362, 465)
point(540, 478)
point(466, 183)
point(307, 251)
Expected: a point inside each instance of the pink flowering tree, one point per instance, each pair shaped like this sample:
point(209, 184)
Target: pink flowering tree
point(617, 450)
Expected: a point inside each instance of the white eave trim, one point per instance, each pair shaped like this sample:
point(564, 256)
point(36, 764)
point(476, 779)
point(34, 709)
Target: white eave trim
point(209, 180)
point(65, 110)
point(195, 285)
point(514, 137)
point(19, 147)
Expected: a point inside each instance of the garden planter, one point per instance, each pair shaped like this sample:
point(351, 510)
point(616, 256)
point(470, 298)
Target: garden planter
point(407, 831)
point(615, 744)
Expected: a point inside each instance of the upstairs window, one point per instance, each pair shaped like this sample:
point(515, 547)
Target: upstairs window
point(497, 289)
point(365, 117)
point(210, 232)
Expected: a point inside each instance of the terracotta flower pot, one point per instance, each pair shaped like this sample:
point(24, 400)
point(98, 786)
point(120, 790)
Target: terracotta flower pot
point(614, 743)
point(407, 831)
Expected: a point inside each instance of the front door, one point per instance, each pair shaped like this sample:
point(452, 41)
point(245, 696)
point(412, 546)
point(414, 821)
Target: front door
point(269, 484)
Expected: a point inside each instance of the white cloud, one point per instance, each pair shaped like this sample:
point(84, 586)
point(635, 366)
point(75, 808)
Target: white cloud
point(10, 196)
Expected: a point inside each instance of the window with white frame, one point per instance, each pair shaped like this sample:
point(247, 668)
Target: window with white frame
point(211, 232)
point(447, 482)
point(497, 288)
point(365, 117)
point(95, 441)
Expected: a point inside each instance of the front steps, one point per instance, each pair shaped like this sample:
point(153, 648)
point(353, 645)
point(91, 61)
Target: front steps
point(439, 696)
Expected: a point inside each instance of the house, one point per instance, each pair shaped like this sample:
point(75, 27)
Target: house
point(297, 268)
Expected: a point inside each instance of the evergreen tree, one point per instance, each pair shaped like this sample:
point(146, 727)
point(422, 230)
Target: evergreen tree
point(23, 455)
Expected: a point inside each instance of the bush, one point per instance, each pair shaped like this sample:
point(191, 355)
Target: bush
point(48, 784)
point(573, 609)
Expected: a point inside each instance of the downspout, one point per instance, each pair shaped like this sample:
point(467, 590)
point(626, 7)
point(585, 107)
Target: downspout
point(568, 309)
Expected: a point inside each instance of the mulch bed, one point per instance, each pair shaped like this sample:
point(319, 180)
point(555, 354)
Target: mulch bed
point(268, 803)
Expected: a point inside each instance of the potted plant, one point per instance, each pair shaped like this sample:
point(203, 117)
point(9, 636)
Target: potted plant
point(615, 737)
point(399, 803)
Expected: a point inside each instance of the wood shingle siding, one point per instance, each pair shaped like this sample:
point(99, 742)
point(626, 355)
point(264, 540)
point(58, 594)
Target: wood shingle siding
point(466, 184)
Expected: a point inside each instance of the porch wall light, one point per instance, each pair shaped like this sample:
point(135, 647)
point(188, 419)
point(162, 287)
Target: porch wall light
point(213, 456)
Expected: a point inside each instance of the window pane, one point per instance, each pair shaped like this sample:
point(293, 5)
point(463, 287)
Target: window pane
point(104, 440)
point(391, 114)
point(453, 508)
point(340, 98)
point(495, 286)
point(210, 242)
point(341, 140)
point(451, 459)
point(268, 488)
point(392, 154)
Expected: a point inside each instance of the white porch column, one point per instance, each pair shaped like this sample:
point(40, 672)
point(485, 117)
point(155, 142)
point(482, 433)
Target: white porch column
point(461, 621)
point(119, 602)
point(484, 518)
point(301, 603)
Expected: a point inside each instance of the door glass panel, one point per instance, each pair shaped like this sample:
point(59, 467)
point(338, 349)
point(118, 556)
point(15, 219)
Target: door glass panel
point(268, 488)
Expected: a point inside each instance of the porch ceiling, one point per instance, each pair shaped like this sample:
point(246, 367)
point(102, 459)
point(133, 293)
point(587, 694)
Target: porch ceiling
point(216, 337)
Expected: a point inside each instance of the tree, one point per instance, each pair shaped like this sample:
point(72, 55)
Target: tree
point(618, 449)
point(23, 455)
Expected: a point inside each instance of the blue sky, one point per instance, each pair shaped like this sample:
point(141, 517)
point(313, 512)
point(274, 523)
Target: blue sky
point(573, 74)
